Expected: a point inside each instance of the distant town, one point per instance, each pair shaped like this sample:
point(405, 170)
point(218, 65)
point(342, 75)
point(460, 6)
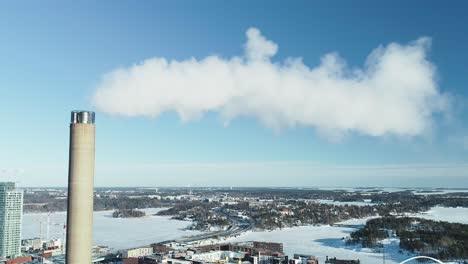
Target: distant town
point(223, 213)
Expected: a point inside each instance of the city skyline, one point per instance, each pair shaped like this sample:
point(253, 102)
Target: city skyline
point(181, 129)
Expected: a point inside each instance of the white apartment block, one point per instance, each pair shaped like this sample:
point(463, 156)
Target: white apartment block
point(11, 213)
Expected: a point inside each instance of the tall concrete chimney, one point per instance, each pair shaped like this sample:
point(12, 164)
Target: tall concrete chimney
point(80, 188)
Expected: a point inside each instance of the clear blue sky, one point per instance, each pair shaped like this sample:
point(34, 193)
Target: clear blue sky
point(55, 54)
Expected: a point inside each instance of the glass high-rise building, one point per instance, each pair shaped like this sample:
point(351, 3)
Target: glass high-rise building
point(11, 213)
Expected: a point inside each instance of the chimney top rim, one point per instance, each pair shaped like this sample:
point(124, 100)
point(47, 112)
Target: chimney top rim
point(82, 117)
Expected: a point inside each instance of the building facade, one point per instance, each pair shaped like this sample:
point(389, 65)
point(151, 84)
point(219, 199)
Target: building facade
point(137, 252)
point(11, 213)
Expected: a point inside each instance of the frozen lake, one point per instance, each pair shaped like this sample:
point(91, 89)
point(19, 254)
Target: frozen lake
point(117, 233)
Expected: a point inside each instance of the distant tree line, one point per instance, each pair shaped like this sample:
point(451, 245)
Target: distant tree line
point(128, 213)
point(46, 203)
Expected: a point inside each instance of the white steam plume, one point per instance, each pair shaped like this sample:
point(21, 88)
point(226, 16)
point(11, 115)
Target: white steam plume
point(395, 93)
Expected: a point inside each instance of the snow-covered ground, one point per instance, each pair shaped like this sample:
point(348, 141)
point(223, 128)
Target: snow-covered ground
point(117, 233)
point(417, 191)
point(423, 192)
point(344, 203)
point(448, 214)
point(326, 240)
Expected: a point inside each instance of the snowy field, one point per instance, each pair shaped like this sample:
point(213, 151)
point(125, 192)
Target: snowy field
point(117, 233)
point(326, 240)
point(322, 201)
point(448, 214)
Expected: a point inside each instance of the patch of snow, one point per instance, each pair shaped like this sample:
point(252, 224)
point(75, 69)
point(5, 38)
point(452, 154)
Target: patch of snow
point(324, 240)
point(323, 201)
point(357, 221)
point(448, 214)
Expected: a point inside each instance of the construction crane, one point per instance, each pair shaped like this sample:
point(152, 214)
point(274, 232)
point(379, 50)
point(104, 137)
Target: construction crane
point(49, 223)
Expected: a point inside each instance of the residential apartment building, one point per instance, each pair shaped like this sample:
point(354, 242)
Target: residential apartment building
point(11, 213)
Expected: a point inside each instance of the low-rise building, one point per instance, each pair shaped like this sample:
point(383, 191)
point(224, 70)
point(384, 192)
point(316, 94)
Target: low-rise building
point(19, 260)
point(151, 259)
point(176, 261)
point(137, 252)
point(271, 258)
point(130, 261)
point(304, 259)
point(216, 256)
point(31, 244)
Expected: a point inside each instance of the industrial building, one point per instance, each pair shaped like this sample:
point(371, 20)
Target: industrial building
point(11, 212)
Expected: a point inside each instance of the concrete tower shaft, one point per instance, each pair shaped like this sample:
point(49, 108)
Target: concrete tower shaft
point(80, 188)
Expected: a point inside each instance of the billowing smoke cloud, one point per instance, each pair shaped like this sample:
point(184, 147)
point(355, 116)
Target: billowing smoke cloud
point(395, 93)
